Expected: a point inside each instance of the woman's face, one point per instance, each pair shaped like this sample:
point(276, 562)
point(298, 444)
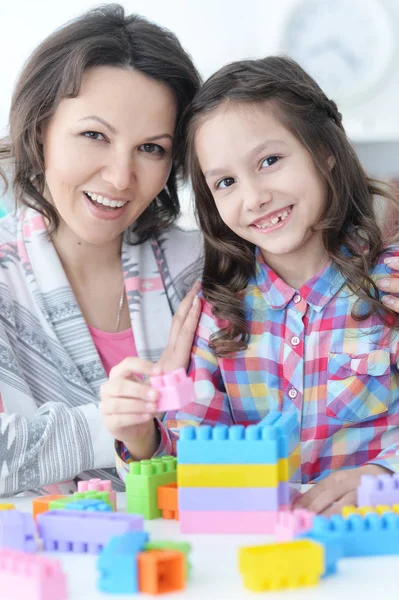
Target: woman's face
point(108, 152)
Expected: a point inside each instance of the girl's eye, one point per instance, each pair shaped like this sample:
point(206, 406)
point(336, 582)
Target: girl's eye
point(269, 161)
point(152, 148)
point(93, 135)
point(224, 183)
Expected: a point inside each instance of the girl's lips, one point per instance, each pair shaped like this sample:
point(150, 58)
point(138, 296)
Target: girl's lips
point(278, 225)
point(101, 212)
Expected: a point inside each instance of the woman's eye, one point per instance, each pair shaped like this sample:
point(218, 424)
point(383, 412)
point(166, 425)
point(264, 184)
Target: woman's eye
point(93, 135)
point(269, 161)
point(152, 149)
point(224, 183)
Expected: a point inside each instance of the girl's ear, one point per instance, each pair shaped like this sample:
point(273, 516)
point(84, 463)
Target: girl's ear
point(331, 162)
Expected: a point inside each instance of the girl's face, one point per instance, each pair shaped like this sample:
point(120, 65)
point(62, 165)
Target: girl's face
point(108, 152)
point(263, 180)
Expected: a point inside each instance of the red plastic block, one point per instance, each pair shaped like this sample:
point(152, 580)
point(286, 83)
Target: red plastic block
point(168, 501)
point(290, 524)
point(26, 576)
point(175, 389)
point(161, 571)
point(202, 521)
point(99, 485)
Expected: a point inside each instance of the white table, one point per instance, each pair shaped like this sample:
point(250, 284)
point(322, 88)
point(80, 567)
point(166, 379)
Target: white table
point(215, 572)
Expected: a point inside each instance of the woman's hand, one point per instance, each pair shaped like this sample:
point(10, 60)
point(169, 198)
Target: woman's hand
point(128, 403)
point(339, 489)
point(390, 284)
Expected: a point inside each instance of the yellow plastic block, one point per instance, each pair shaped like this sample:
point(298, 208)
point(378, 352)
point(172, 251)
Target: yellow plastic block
point(365, 510)
point(227, 475)
point(291, 564)
point(289, 466)
point(7, 506)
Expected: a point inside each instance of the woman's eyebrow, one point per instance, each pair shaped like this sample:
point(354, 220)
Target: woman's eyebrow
point(100, 120)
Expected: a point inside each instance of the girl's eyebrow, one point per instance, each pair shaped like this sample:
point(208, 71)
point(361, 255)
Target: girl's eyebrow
point(114, 131)
point(262, 147)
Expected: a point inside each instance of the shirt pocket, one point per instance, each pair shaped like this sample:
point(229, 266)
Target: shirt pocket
point(358, 387)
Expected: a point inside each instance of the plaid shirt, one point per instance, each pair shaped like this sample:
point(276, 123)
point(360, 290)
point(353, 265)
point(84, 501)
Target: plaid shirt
point(306, 354)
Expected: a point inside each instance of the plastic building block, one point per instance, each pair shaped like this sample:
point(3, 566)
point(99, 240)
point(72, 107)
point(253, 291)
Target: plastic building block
point(227, 445)
point(175, 389)
point(371, 535)
point(192, 521)
point(42, 504)
point(117, 563)
point(289, 524)
point(333, 549)
point(17, 531)
point(83, 531)
point(278, 566)
point(142, 482)
point(30, 576)
point(288, 438)
point(88, 504)
point(168, 502)
point(228, 475)
point(7, 506)
point(183, 547)
point(99, 485)
point(161, 571)
point(78, 496)
point(364, 510)
point(223, 498)
point(381, 489)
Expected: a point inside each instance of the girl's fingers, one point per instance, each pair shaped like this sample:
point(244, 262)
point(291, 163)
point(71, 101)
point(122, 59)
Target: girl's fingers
point(185, 339)
point(182, 313)
point(125, 388)
point(134, 366)
point(392, 263)
point(391, 302)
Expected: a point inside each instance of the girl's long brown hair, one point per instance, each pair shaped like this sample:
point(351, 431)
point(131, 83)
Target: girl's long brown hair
point(104, 36)
point(349, 220)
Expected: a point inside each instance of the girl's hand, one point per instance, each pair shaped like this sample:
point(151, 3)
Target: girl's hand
point(390, 284)
point(327, 497)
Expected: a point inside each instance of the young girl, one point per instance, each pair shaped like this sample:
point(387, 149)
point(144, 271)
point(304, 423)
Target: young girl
point(291, 319)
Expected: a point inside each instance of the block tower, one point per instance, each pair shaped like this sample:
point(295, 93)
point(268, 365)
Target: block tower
point(235, 479)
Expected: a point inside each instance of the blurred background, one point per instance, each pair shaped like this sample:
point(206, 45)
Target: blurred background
point(351, 47)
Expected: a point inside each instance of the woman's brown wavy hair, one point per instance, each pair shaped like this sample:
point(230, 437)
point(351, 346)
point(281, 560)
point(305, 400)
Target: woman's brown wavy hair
point(348, 222)
point(101, 37)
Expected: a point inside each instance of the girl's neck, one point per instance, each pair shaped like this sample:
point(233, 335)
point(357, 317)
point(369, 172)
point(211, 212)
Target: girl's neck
point(82, 259)
point(298, 267)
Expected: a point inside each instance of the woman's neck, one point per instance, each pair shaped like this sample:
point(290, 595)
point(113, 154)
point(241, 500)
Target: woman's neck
point(82, 259)
point(296, 268)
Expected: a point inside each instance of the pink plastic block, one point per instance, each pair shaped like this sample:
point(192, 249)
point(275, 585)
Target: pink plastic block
point(17, 531)
point(83, 531)
point(290, 524)
point(99, 485)
point(24, 576)
point(175, 389)
point(200, 521)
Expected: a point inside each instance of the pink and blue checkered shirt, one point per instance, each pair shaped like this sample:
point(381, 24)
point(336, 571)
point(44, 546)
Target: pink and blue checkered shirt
point(308, 355)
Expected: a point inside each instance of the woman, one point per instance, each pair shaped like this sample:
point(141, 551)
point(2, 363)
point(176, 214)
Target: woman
point(92, 267)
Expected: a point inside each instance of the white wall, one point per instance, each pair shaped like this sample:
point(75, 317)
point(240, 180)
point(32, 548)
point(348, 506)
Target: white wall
point(214, 32)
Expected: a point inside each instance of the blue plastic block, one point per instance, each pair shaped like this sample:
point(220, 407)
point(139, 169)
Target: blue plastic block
point(89, 504)
point(287, 427)
point(333, 549)
point(117, 563)
point(228, 445)
point(371, 535)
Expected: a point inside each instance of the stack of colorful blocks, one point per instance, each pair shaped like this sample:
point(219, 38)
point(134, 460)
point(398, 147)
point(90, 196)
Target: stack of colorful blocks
point(235, 479)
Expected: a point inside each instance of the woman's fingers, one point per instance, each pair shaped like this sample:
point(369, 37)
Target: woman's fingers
point(182, 313)
point(133, 366)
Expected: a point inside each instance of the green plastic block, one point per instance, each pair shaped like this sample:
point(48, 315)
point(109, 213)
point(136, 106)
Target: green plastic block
point(91, 494)
point(142, 482)
point(183, 547)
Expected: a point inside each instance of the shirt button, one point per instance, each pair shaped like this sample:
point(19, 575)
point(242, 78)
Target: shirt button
point(297, 299)
point(295, 340)
point(292, 393)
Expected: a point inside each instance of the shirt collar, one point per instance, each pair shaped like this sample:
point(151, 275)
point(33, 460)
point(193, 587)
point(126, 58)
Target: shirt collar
point(317, 292)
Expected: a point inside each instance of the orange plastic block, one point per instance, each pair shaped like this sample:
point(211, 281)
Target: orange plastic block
point(161, 571)
point(41, 504)
point(168, 501)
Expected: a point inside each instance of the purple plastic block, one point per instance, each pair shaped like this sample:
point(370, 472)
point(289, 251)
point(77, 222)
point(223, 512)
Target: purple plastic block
point(381, 489)
point(213, 499)
point(83, 531)
point(17, 531)
point(175, 389)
